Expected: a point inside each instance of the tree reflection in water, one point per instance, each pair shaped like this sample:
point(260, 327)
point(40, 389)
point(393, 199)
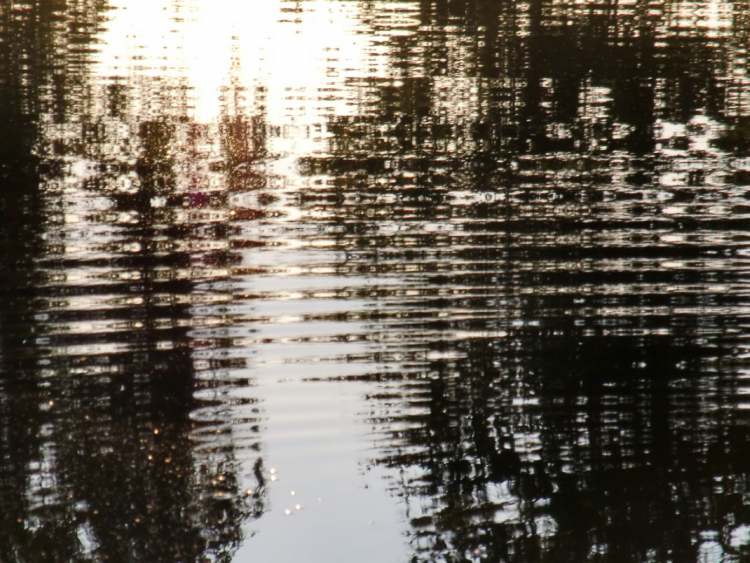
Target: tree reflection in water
point(569, 337)
point(524, 222)
point(107, 451)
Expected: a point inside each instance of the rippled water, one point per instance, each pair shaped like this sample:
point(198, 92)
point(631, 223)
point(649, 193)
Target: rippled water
point(378, 281)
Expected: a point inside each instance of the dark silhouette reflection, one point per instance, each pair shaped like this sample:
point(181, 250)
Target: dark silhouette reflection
point(574, 452)
point(106, 451)
point(561, 299)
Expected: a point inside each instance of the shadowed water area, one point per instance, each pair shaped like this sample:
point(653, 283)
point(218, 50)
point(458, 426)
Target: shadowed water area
point(375, 281)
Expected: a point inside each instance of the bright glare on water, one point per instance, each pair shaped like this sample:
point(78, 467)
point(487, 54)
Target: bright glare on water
point(375, 281)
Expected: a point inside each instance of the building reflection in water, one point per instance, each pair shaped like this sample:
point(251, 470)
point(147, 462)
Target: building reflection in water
point(522, 227)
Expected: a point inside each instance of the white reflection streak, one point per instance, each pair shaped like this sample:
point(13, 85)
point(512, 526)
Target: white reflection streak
point(300, 60)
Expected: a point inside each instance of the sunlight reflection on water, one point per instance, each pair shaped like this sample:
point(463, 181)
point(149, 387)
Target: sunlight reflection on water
point(470, 278)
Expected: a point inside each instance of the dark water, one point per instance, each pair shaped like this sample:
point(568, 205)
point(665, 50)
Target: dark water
point(374, 281)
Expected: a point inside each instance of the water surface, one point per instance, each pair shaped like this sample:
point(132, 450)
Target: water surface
point(428, 280)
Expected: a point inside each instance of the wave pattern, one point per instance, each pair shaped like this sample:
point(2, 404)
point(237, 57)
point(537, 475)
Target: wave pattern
point(518, 230)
